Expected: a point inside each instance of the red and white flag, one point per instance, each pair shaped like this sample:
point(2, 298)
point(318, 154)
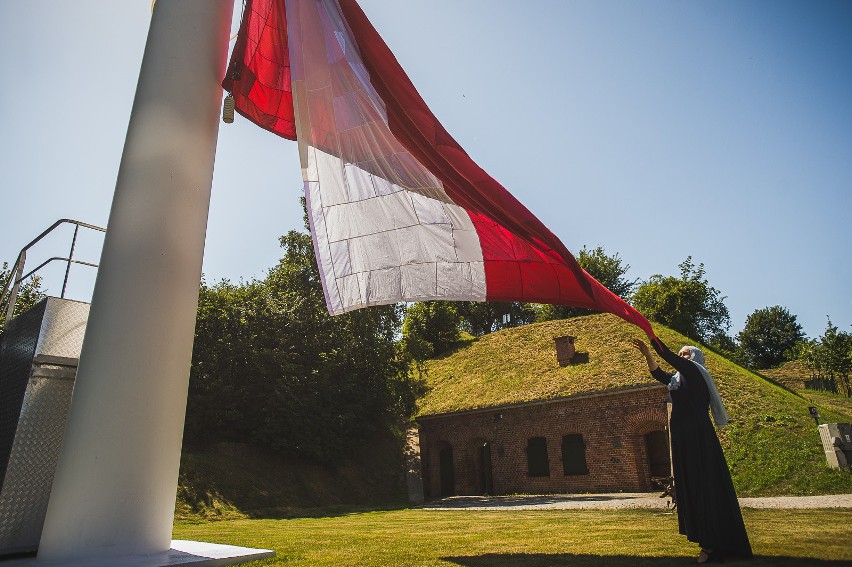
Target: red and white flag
point(398, 210)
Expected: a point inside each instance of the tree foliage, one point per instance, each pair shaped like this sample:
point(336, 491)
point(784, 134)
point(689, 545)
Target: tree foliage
point(837, 346)
point(688, 304)
point(728, 347)
point(829, 358)
point(608, 270)
point(29, 293)
point(271, 367)
point(481, 318)
point(808, 352)
point(430, 328)
point(769, 337)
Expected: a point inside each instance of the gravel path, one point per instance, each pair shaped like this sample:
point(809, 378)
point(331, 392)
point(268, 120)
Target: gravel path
point(621, 500)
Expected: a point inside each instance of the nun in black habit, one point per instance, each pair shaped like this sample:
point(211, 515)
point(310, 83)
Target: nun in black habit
point(707, 506)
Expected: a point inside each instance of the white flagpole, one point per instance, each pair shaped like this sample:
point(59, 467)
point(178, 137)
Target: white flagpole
point(115, 485)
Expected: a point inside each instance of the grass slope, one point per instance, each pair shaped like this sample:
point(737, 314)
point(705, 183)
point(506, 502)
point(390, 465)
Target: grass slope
point(519, 365)
point(771, 444)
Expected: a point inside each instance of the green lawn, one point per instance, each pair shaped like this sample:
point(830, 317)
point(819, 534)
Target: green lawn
point(582, 538)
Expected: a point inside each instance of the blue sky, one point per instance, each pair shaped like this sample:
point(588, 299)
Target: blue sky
point(657, 129)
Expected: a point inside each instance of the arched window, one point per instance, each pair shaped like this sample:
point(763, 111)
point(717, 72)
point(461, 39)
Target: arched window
point(574, 455)
point(537, 463)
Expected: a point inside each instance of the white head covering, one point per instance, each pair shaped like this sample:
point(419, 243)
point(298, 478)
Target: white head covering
point(720, 415)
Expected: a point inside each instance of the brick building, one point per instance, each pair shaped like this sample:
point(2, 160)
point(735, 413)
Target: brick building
point(612, 439)
point(607, 441)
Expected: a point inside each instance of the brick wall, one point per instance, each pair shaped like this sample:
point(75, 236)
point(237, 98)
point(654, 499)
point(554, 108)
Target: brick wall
point(613, 425)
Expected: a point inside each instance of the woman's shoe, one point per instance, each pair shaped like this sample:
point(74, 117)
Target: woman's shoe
point(710, 556)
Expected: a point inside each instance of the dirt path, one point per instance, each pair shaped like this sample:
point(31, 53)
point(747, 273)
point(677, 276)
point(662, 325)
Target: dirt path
point(621, 500)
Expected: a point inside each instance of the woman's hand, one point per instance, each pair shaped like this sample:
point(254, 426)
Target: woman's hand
point(646, 352)
point(643, 348)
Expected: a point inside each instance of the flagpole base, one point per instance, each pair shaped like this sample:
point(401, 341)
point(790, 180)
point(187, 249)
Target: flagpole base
point(182, 552)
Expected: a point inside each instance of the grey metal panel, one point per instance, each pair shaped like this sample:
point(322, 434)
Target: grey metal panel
point(40, 425)
point(26, 491)
point(16, 359)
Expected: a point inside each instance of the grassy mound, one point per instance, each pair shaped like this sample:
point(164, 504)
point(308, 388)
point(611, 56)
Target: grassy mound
point(772, 444)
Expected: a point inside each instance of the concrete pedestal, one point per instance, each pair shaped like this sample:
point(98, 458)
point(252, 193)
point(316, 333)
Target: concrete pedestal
point(182, 552)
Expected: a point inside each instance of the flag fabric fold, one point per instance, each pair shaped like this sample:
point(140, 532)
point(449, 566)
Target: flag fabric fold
point(398, 210)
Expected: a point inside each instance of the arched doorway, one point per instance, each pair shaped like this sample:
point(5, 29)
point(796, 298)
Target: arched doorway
point(486, 479)
point(657, 449)
point(445, 464)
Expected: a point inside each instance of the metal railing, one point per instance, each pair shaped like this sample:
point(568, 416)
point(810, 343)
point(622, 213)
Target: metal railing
point(9, 295)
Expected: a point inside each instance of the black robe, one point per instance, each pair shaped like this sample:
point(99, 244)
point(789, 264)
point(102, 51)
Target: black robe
point(707, 508)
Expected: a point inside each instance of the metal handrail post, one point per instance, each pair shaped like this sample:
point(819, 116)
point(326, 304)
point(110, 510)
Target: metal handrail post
point(45, 233)
point(16, 276)
point(8, 283)
point(70, 257)
point(13, 296)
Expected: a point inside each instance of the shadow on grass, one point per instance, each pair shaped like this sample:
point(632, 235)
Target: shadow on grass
point(289, 513)
point(584, 560)
point(778, 383)
point(580, 358)
point(455, 347)
point(461, 502)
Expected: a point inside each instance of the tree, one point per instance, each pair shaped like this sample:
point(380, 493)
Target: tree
point(272, 368)
point(769, 336)
point(430, 328)
point(607, 269)
point(726, 346)
point(688, 304)
point(29, 293)
point(481, 318)
point(836, 347)
point(809, 351)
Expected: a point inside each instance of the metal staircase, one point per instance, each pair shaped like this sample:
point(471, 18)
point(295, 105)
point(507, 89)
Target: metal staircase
point(39, 354)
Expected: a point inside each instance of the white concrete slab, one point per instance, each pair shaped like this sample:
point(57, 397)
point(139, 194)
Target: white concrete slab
point(182, 552)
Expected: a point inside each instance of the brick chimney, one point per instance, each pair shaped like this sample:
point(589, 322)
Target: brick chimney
point(564, 349)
